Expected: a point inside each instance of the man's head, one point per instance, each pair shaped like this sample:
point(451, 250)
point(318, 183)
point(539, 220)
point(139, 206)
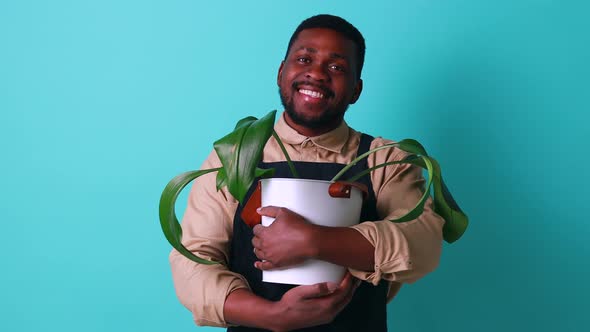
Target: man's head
point(325, 21)
point(320, 75)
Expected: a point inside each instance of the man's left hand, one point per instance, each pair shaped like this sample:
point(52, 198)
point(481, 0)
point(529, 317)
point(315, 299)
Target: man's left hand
point(287, 241)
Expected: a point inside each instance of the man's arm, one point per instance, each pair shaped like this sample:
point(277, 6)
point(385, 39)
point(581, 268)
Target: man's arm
point(290, 240)
point(300, 307)
point(207, 227)
point(217, 296)
point(401, 252)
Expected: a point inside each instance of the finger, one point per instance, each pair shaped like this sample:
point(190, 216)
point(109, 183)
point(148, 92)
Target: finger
point(344, 288)
point(316, 290)
point(345, 300)
point(258, 229)
point(346, 291)
point(256, 242)
point(268, 211)
point(346, 282)
point(264, 265)
point(256, 253)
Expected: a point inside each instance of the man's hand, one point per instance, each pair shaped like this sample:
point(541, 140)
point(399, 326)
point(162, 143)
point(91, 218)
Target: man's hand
point(306, 306)
point(300, 307)
point(287, 241)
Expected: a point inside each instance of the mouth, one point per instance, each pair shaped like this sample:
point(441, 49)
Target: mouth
point(312, 90)
point(311, 93)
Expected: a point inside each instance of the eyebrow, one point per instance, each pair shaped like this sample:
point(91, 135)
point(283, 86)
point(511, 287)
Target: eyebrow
point(313, 50)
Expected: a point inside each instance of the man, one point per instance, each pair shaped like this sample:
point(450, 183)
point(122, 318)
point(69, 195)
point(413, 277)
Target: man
point(319, 77)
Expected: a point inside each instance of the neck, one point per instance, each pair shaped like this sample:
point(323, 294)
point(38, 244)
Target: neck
point(311, 132)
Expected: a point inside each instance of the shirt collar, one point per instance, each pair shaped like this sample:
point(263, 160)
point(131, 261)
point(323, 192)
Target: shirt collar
point(333, 140)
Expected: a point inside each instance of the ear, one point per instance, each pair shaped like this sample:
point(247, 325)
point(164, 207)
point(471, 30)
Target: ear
point(357, 91)
point(280, 73)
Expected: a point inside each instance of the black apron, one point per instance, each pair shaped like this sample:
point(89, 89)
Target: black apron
point(367, 309)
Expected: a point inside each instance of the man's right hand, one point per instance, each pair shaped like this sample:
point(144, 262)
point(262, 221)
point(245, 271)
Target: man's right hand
point(300, 307)
point(306, 306)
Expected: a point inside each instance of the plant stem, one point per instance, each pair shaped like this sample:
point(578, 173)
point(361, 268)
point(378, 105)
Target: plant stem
point(369, 170)
point(289, 162)
point(359, 158)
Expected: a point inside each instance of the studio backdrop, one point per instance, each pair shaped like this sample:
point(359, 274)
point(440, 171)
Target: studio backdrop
point(103, 102)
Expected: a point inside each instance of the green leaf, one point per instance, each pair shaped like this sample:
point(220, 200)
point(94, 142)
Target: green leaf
point(412, 146)
point(419, 208)
point(446, 206)
point(245, 122)
point(456, 221)
point(221, 180)
point(264, 173)
point(168, 221)
point(241, 151)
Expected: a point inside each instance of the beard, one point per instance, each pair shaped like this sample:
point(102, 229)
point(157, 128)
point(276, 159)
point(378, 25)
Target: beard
point(329, 116)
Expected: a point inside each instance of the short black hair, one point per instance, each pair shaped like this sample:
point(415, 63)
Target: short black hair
point(338, 24)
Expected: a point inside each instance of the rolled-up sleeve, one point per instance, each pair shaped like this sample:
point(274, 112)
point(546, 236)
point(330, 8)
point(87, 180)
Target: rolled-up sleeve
point(404, 252)
point(207, 227)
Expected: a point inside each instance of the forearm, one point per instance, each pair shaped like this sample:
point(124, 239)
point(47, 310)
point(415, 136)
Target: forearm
point(244, 308)
point(300, 307)
point(404, 252)
point(202, 289)
point(344, 246)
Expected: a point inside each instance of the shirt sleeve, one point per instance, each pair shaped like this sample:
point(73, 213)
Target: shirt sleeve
point(404, 252)
point(207, 227)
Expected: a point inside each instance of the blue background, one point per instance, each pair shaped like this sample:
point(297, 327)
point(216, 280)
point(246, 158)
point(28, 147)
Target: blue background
point(102, 102)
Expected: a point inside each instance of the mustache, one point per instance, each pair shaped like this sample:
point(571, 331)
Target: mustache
point(325, 91)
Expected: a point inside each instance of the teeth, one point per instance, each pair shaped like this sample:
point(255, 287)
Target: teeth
point(311, 93)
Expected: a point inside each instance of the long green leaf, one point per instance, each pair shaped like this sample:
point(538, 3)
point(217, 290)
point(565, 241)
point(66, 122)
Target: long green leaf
point(446, 206)
point(419, 208)
point(240, 152)
point(412, 146)
point(168, 221)
point(456, 221)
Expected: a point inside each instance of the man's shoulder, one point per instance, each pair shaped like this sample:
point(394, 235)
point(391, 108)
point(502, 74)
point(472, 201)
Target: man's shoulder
point(391, 154)
point(376, 141)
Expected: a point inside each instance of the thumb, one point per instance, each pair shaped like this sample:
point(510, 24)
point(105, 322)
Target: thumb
point(268, 211)
point(316, 290)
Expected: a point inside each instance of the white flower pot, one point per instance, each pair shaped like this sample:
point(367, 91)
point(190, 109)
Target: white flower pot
point(313, 200)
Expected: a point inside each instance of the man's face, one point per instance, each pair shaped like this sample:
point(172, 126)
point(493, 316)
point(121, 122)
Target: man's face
point(318, 79)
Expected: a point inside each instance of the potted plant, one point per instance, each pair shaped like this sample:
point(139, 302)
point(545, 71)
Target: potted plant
point(241, 150)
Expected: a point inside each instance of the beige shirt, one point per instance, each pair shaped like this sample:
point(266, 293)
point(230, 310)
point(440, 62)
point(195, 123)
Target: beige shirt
point(404, 252)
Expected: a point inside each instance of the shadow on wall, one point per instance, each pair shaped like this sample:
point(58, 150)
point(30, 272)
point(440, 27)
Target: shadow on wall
point(484, 119)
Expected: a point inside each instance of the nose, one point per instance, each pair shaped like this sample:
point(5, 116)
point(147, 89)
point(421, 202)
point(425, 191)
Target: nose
point(317, 72)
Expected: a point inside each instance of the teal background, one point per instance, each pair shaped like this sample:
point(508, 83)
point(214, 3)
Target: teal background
point(102, 102)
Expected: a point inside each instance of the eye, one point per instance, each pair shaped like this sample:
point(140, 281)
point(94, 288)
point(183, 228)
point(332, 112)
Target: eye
point(337, 68)
point(303, 60)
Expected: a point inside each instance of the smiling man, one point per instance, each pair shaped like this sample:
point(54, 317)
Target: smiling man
point(318, 79)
